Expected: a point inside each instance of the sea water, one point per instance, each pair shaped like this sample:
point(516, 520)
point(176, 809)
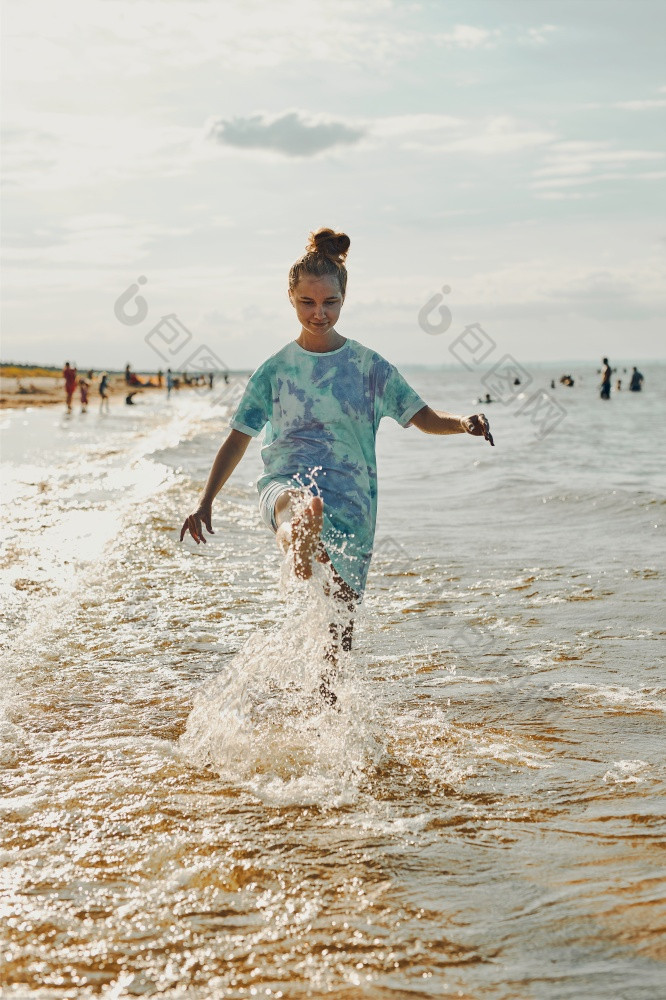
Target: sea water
point(480, 813)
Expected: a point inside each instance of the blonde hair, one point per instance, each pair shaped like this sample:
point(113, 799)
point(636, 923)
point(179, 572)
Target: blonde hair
point(325, 254)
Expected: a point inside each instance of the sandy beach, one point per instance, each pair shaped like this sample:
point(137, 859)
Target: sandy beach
point(49, 390)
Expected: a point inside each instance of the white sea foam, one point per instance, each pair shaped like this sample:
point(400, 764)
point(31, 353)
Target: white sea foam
point(625, 772)
point(620, 698)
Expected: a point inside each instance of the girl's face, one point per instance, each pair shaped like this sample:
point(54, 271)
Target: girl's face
point(317, 302)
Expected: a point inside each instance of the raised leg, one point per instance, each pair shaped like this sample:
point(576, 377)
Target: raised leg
point(299, 522)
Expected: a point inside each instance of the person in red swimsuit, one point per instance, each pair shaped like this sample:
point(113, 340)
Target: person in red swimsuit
point(69, 375)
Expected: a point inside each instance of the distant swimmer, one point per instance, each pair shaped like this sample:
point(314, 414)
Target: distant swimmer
point(606, 373)
point(488, 399)
point(567, 380)
point(317, 492)
point(552, 383)
point(637, 380)
point(618, 385)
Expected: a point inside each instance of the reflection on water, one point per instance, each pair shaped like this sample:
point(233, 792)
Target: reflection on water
point(183, 817)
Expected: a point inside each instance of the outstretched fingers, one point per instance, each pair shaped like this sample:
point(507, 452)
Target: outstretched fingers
point(193, 525)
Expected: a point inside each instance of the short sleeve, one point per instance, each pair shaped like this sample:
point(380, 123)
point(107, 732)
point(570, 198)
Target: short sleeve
point(396, 398)
point(256, 403)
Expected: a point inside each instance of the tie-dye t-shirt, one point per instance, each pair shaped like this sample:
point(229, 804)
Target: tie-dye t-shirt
point(322, 412)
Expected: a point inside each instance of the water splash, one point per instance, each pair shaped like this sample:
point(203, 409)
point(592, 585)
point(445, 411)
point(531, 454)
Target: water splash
point(289, 716)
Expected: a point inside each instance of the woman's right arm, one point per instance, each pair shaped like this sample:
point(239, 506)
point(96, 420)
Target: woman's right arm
point(226, 460)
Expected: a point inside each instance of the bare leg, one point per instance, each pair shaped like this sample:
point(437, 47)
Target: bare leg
point(341, 631)
point(301, 528)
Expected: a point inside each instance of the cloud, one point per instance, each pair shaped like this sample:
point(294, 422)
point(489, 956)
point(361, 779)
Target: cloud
point(539, 36)
point(645, 104)
point(393, 126)
point(579, 163)
point(501, 134)
point(60, 150)
point(639, 105)
point(102, 239)
point(117, 40)
point(565, 195)
point(444, 134)
point(291, 133)
point(295, 133)
point(547, 287)
point(466, 36)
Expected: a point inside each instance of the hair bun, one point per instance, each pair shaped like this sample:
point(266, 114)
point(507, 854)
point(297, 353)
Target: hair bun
point(330, 244)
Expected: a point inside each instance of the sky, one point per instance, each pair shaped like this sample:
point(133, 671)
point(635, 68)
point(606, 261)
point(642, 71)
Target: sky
point(494, 162)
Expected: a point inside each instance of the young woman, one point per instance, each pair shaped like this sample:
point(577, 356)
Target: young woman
point(322, 397)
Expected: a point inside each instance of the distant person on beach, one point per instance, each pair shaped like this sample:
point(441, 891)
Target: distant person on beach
point(160, 378)
point(69, 374)
point(83, 391)
point(131, 378)
point(636, 384)
point(605, 380)
point(104, 392)
point(169, 382)
point(21, 389)
point(323, 396)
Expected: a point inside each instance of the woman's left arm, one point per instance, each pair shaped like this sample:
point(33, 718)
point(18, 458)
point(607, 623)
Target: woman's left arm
point(437, 422)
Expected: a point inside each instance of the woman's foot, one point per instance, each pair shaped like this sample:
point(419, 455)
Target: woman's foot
point(305, 531)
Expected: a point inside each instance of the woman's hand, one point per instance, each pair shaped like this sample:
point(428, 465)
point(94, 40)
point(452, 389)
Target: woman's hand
point(193, 524)
point(477, 425)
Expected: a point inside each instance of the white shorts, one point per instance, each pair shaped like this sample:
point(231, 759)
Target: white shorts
point(268, 498)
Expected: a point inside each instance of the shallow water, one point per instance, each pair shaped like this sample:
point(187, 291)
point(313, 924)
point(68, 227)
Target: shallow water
point(482, 817)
